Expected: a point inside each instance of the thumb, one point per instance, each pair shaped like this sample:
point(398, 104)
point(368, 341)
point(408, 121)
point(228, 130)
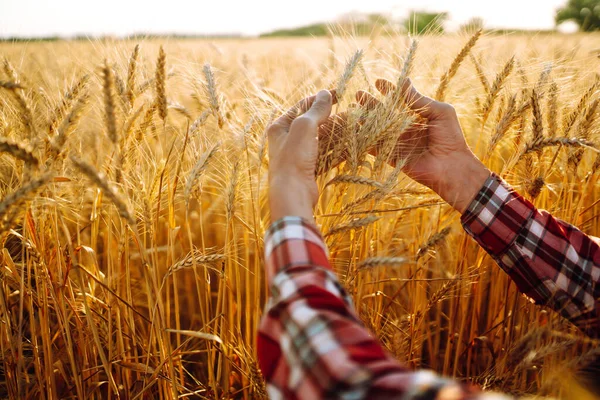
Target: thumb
point(422, 105)
point(306, 126)
point(321, 108)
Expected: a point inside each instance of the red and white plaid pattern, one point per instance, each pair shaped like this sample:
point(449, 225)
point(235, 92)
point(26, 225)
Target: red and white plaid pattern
point(550, 261)
point(312, 345)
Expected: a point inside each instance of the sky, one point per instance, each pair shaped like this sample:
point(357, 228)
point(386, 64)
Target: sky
point(38, 18)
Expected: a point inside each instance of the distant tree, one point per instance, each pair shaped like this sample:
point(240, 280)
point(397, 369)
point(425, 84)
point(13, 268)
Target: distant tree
point(420, 22)
point(586, 13)
point(472, 25)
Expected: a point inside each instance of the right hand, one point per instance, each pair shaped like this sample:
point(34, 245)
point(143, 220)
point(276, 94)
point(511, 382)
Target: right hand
point(435, 153)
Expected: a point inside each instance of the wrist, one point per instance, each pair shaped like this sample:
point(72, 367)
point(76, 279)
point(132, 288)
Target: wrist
point(464, 178)
point(290, 196)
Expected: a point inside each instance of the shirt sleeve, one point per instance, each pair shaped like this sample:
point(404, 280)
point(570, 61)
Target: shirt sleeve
point(311, 344)
point(550, 261)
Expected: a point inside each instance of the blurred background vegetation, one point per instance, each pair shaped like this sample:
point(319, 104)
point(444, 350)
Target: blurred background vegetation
point(584, 13)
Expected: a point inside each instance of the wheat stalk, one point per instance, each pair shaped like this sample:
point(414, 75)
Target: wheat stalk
point(495, 89)
point(373, 262)
point(16, 90)
point(480, 74)
point(160, 84)
point(109, 102)
point(210, 88)
point(550, 142)
point(18, 151)
point(72, 94)
point(231, 191)
point(131, 76)
point(193, 259)
point(506, 121)
point(552, 114)
point(351, 65)
point(440, 94)
point(67, 126)
point(198, 169)
point(433, 242)
point(356, 180)
point(352, 225)
point(10, 85)
point(100, 180)
point(537, 122)
point(569, 119)
point(17, 197)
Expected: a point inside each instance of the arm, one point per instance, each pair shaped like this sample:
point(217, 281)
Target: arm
point(550, 261)
point(311, 343)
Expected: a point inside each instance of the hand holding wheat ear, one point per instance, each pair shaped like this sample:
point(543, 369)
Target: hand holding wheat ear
point(445, 163)
point(434, 152)
point(293, 151)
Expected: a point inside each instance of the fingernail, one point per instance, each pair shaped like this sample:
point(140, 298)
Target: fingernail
point(324, 96)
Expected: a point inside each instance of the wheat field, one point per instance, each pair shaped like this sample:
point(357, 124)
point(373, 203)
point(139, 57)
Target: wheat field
point(133, 178)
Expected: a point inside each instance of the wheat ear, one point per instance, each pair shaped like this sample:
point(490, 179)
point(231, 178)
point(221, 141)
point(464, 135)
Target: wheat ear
point(160, 84)
point(460, 57)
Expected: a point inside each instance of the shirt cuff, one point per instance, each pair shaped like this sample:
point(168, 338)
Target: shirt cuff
point(496, 215)
point(292, 241)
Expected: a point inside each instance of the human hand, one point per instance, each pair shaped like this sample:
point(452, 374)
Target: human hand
point(435, 153)
point(293, 152)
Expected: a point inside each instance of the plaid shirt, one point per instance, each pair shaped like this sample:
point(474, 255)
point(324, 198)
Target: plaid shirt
point(311, 343)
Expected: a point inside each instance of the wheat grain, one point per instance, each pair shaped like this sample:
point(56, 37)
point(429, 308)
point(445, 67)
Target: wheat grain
point(109, 102)
point(232, 188)
point(495, 89)
point(352, 225)
point(373, 262)
point(20, 195)
point(198, 169)
point(480, 74)
point(567, 142)
point(508, 118)
point(72, 94)
point(537, 122)
point(131, 76)
point(100, 180)
point(356, 180)
point(18, 151)
point(10, 85)
point(351, 66)
point(433, 242)
point(440, 94)
point(210, 87)
point(552, 113)
point(160, 84)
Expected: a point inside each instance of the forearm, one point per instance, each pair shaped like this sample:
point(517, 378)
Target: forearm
point(288, 197)
point(461, 181)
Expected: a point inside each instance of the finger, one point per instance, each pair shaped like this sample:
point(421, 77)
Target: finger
point(384, 86)
point(366, 99)
point(332, 129)
point(320, 108)
point(282, 124)
point(422, 105)
point(305, 128)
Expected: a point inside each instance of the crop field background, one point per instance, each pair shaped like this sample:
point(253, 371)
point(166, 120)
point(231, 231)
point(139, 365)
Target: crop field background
point(133, 184)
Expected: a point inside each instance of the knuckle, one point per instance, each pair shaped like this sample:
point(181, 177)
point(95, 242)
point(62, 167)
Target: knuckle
point(304, 122)
point(274, 129)
point(446, 108)
point(326, 97)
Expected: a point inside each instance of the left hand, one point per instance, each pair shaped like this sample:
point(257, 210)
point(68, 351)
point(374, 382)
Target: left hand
point(293, 153)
